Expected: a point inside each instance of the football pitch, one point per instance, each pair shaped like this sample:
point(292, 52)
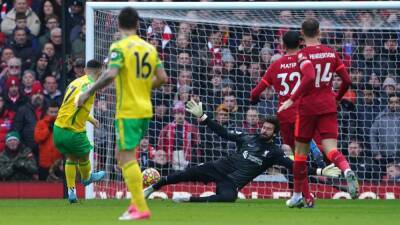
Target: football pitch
point(243, 212)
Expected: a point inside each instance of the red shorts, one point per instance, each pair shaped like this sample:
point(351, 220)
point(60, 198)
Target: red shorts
point(308, 125)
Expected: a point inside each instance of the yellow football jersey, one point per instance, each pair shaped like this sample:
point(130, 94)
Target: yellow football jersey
point(137, 62)
point(69, 116)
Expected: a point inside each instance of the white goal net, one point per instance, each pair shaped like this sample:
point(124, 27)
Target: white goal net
point(218, 56)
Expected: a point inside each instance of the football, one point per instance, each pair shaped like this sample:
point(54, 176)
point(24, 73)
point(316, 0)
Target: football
point(150, 176)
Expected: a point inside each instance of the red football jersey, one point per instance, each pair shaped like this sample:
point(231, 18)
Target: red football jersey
point(284, 75)
point(319, 98)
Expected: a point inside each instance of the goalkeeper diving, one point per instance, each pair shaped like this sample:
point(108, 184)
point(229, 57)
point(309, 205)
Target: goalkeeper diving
point(255, 153)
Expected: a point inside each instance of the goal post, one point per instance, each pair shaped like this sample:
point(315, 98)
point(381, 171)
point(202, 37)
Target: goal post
point(248, 36)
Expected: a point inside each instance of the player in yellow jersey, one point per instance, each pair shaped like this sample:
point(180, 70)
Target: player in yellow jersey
point(136, 68)
point(70, 130)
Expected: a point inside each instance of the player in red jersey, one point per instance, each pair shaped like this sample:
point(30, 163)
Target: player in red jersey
point(317, 108)
point(284, 76)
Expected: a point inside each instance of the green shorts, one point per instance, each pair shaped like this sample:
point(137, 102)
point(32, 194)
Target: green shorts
point(129, 132)
point(71, 143)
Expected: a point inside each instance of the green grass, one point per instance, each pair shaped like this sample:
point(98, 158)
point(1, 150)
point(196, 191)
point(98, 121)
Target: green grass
point(244, 212)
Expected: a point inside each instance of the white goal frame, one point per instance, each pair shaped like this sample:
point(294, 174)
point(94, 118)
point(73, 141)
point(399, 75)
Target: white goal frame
point(92, 6)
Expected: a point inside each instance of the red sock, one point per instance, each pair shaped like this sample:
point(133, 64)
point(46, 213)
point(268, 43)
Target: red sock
point(299, 172)
point(338, 159)
point(306, 189)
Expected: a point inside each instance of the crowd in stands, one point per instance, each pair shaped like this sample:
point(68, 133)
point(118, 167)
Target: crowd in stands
point(217, 64)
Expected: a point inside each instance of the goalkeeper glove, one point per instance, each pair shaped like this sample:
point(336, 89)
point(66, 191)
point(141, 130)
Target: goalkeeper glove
point(196, 109)
point(329, 171)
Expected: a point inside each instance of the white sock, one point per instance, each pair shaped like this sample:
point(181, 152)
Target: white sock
point(297, 195)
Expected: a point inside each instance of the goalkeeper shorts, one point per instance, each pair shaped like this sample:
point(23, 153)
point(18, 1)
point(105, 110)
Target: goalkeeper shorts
point(129, 132)
point(71, 143)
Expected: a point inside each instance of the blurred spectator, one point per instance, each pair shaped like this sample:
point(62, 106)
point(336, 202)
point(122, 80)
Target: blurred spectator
point(179, 139)
point(41, 67)
point(53, 61)
point(75, 15)
point(48, 8)
point(385, 132)
point(230, 103)
point(215, 146)
point(212, 52)
point(245, 51)
point(21, 22)
point(389, 88)
point(28, 79)
point(144, 153)
point(56, 171)
point(51, 93)
point(77, 70)
point(185, 78)
point(13, 97)
point(22, 47)
point(252, 123)
point(265, 57)
point(183, 94)
point(6, 54)
point(13, 69)
point(6, 122)
point(367, 108)
point(78, 44)
point(27, 116)
point(17, 162)
point(369, 60)
point(51, 22)
point(268, 102)
point(393, 172)
point(43, 134)
point(390, 52)
point(56, 40)
point(358, 78)
point(21, 6)
point(361, 163)
point(160, 119)
point(161, 28)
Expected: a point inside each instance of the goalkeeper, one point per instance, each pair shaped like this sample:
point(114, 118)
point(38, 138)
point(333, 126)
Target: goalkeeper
point(254, 154)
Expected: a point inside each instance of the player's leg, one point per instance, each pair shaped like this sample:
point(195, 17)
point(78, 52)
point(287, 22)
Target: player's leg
point(81, 147)
point(129, 133)
point(328, 128)
point(226, 192)
point(70, 176)
point(61, 139)
point(203, 173)
point(304, 130)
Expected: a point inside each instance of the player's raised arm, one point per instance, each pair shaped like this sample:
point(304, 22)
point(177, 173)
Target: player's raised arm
point(261, 86)
point(197, 110)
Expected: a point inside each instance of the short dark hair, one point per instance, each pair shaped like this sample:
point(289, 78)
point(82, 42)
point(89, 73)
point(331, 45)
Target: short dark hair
point(272, 120)
point(291, 39)
point(128, 18)
point(310, 27)
point(93, 64)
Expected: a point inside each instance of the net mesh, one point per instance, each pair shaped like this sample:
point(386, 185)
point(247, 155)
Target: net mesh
point(219, 56)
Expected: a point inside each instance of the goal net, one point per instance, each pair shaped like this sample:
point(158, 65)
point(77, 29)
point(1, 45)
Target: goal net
point(218, 56)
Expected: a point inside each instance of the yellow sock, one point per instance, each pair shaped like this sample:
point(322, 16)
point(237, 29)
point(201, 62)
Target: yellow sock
point(84, 169)
point(70, 173)
point(134, 182)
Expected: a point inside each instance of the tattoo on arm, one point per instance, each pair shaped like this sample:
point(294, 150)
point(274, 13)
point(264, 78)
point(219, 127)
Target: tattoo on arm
point(105, 79)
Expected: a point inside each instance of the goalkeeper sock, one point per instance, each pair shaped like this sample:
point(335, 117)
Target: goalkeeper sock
point(84, 169)
point(338, 159)
point(70, 173)
point(134, 181)
point(299, 172)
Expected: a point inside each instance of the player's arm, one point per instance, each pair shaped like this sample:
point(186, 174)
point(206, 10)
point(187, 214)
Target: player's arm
point(261, 86)
point(161, 76)
point(346, 82)
point(308, 79)
point(197, 110)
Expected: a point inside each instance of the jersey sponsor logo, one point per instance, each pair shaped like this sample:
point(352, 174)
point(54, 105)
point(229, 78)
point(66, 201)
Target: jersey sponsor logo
point(265, 153)
point(252, 158)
